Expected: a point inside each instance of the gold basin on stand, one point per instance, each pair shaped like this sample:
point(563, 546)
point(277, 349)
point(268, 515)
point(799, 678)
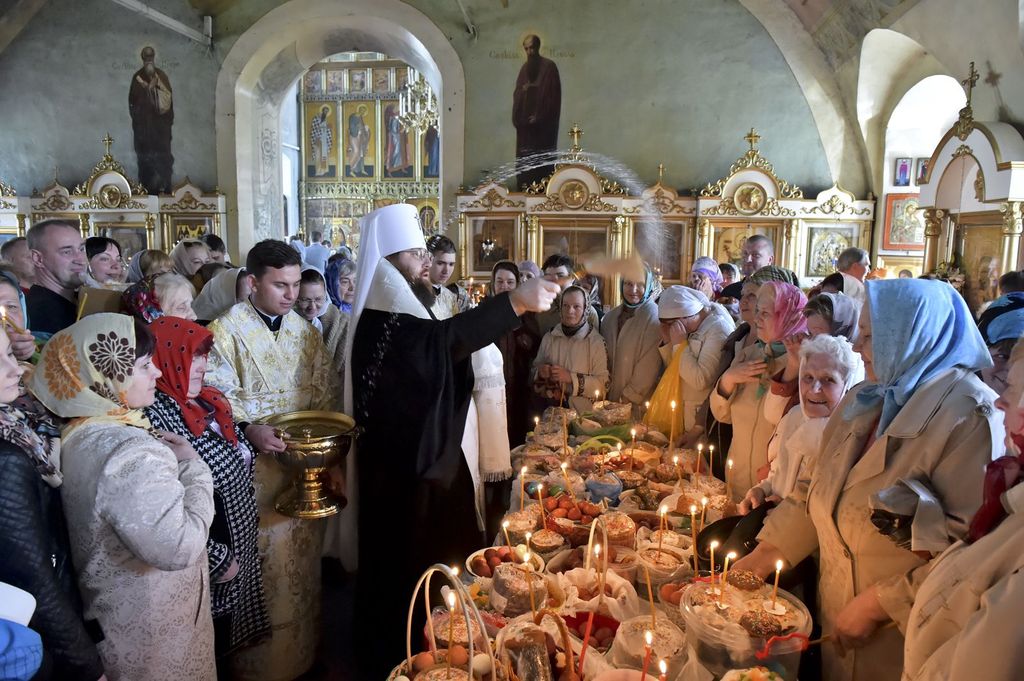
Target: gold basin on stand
point(316, 441)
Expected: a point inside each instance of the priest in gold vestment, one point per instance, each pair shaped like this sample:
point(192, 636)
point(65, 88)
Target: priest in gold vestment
point(268, 360)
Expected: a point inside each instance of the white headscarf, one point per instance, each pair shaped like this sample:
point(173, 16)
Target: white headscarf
point(681, 301)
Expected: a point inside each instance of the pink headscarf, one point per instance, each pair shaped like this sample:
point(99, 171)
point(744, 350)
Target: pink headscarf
point(789, 305)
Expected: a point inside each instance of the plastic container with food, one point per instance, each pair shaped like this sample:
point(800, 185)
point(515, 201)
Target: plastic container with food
point(669, 643)
point(722, 639)
point(612, 413)
point(601, 486)
point(513, 589)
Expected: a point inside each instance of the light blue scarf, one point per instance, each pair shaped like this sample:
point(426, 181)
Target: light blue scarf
point(919, 329)
point(648, 288)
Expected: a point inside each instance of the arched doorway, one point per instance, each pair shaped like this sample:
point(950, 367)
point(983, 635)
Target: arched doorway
point(264, 64)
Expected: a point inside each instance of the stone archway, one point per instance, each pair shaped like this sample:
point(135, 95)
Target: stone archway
point(267, 59)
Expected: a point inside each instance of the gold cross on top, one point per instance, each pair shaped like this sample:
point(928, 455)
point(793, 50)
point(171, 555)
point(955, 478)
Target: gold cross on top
point(661, 172)
point(575, 133)
point(107, 141)
point(970, 82)
point(752, 137)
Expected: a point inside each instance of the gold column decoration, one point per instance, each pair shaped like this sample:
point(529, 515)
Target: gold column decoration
point(704, 239)
point(533, 245)
point(788, 245)
point(83, 225)
point(933, 218)
point(618, 250)
point(151, 230)
point(1013, 225)
point(21, 224)
point(463, 236)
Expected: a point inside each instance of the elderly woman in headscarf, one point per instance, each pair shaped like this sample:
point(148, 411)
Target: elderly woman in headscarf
point(706, 277)
point(1001, 325)
point(592, 285)
point(138, 502)
point(739, 396)
point(828, 369)
point(833, 314)
point(33, 532)
point(572, 362)
point(912, 441)
point(315, 307)
point(528, 270)
point(12, 301)
point(694, 331)
point(202, 416)
point(153, 297)
point(148, 263)
point(340, 277)
point(220, 294)
point(188, 256)
point(965, 621)
point(518, 349)
point(632, 336)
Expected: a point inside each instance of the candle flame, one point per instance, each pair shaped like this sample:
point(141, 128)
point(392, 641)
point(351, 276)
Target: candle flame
point(662, 667)
point(522, 471)
point(455, 570)
point(597, 549)
point(704, 501)
point(693, 509)
point(564, 466)
point(730, 463)
point(526, 557)
point(648, 637)
point(529, 536)
point(778, 566)
point(663, 510)
point(451, 600)
point(505, 525)
point(673, 403)
point(675, 460)
point(731, 555)
point(632, 432)
point(714, 544)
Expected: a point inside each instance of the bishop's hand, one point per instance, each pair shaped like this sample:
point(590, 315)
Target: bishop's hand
point(535, 295)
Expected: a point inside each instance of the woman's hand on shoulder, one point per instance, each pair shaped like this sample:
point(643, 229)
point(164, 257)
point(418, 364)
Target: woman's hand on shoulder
point(181, 447)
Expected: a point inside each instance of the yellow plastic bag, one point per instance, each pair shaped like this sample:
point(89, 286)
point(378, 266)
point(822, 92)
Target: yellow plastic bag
point(670, 387)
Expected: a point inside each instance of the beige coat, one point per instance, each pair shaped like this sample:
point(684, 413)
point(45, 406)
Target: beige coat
point(635, 363)
point(138, 522)
point(335, 323)
point(698, 365)
point(584, 356)
point(945, 435)
point(751, 431)
point(965, 624)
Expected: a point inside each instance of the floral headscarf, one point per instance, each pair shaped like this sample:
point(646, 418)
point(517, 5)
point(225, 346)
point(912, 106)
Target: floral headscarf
point(709, 268)
point(37, 436)
point(773, 273)
point(139, 299)
point(177, 342)
point(85, 370)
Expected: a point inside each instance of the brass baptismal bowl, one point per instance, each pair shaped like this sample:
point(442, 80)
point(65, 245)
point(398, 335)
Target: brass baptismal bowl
point(315, 441)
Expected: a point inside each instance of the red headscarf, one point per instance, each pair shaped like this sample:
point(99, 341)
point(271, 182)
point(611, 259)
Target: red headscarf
point(177, 341)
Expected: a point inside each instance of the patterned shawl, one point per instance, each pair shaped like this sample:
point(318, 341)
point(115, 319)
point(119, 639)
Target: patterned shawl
point(36, 435)
point(139, 299)
point(85, 370)
point(177, 342)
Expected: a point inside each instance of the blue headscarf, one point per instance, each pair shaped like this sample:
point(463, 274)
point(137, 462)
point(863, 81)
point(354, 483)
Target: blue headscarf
point(649, 282)
point(332, 276)
point(919, 329)
point(1004, 319)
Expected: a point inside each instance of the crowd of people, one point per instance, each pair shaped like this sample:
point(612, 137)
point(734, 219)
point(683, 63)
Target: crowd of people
point(877, 426)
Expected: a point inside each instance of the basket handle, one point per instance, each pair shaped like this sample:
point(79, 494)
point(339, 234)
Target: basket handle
point(570, 664)
point(468, 606)
point(590, 541)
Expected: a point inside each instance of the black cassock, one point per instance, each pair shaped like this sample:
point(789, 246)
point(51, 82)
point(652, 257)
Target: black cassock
point(412, 381)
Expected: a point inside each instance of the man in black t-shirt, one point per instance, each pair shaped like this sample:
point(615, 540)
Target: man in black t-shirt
point(58, 252)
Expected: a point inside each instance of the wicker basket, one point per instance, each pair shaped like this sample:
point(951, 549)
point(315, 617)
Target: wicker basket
point(469, 609)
